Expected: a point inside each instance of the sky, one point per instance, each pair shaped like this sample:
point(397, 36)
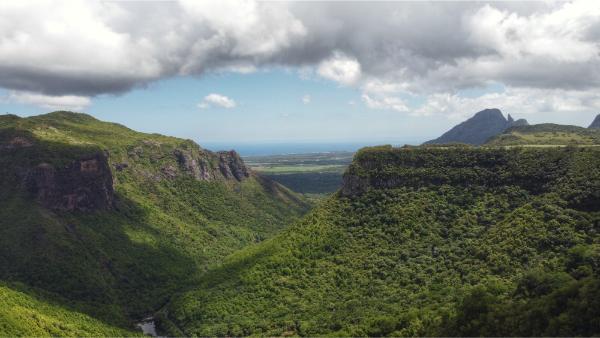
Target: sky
point(274, 72)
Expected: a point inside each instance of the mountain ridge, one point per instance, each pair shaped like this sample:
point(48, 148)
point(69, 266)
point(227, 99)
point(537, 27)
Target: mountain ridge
point(422, 241)
point(479, 128)
point(112, 221)
point(546, 134)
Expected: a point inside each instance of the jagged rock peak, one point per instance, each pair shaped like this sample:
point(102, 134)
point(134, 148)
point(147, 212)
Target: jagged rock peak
point(232, 165)
point(520, 122)
point(208, 166)
point(596, 123)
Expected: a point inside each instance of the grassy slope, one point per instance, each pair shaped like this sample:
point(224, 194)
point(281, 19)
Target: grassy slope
point(123, 264)
point(546, 134)
point(404, 261)
point(22, 314)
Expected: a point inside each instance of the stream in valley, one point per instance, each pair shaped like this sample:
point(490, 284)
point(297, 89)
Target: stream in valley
point(148, 326)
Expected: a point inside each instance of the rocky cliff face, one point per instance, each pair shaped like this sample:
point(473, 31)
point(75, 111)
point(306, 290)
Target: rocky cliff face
point(84, 185)
point(479, 128)
point(596, 123)
point(209, 166)
point(195, 164)
point(65, 175)
point(231, 165)
point(58, 176)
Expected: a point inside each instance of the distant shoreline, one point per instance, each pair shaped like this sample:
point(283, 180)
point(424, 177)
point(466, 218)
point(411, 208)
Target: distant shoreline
point(270, 149)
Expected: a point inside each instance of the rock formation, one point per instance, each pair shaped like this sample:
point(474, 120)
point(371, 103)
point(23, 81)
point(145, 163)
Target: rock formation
point(479, 128)
point(232, 165)
point(209, 166)
point(83, 185)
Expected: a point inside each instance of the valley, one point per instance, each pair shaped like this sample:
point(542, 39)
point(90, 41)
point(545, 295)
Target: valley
point(111, 222)
point(280, 168)
point(416, 242)
point(313, 174)
point(107, 231)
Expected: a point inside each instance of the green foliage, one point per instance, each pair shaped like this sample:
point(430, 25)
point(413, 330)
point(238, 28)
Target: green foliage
point(30, 314)
point(447, 240)
point(309, 182)
point(545, 135)
point(542, 304)
point(164, 232)
point(437, 238)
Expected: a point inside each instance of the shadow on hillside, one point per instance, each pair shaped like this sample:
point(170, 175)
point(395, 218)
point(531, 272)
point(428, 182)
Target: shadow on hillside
point(276, 189)
point(106, 264)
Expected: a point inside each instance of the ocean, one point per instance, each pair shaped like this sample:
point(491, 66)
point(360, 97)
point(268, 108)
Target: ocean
point(265, 149)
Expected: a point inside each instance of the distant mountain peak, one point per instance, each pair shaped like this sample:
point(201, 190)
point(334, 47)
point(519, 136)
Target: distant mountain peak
point(596, 123)
point(479, 128)
point(491, 113)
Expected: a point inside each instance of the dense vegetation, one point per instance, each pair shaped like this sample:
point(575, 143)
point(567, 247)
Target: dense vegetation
point(426, 241)
point(323, 182)
point(166, 228)
point(27, 313)
point(434, 240)
point(547, 134)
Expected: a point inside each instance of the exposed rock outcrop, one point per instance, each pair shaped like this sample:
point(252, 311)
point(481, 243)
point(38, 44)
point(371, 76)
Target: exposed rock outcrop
point(84, 185)
point(209, 166)
point(232, 165)
point(193, 163)
point(479, 128)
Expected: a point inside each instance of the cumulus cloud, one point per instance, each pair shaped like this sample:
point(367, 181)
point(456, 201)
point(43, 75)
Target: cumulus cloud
point(340, 68)
point(84, 48)
point(522, 101)
point(386, 102)
point(63, 102)
point(216, 100)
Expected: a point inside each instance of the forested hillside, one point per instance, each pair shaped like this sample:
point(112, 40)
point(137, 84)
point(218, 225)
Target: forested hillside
point(547, 134)
point(110, 222)
point(423, 241)
point(101, 226)
point(28, 313)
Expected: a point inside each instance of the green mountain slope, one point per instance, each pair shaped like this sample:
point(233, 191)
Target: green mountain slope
point(422, 241)
point(21, 314)
point(114, 221)
point(546, 134)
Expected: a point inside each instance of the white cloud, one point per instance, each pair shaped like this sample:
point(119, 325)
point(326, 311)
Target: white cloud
point(385, 102)
point(82, 48)
point(558, 35)
point(340, 68)
point(515, 101)
point(216, 100)
point(306, 99)
point(64, 102)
